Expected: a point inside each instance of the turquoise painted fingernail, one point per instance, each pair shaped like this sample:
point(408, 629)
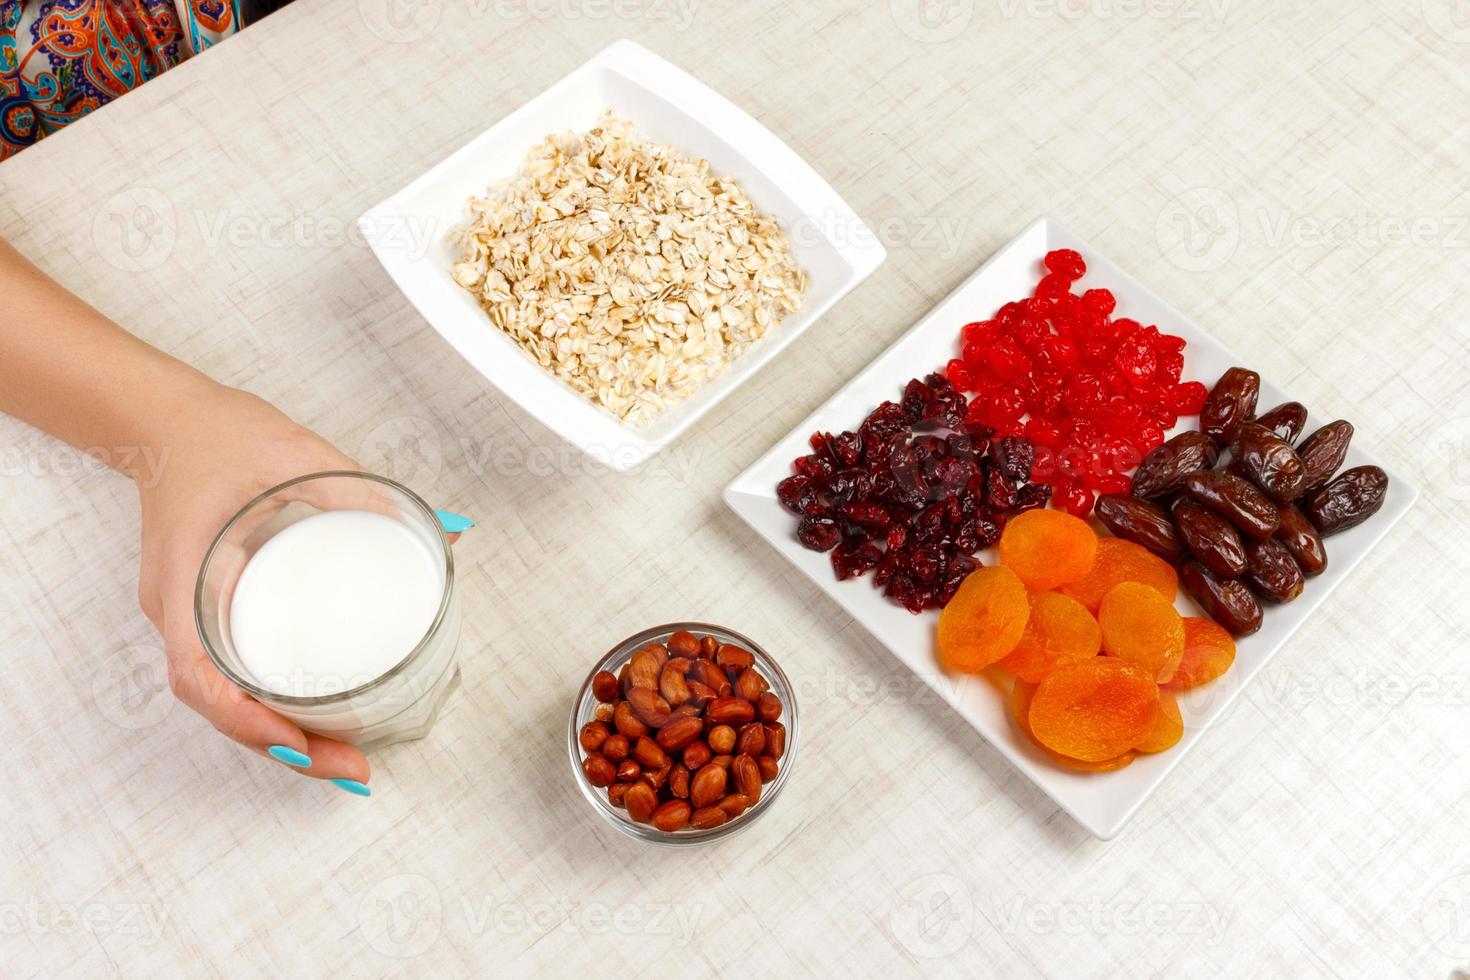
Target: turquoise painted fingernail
point(288, 755)
point(452, 522)
point(353, 786)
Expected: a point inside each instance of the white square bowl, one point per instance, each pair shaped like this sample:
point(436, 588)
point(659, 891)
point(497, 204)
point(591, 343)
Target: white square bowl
point(409, 234)
point(1101, 802)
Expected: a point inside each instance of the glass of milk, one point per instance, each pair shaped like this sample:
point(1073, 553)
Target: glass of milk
point(330, 598)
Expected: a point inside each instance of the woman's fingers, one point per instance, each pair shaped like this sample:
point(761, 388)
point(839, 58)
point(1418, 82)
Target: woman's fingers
point(238, 716)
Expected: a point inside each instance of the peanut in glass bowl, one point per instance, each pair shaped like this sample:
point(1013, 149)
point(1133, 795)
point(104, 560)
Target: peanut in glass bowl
point(585, 706)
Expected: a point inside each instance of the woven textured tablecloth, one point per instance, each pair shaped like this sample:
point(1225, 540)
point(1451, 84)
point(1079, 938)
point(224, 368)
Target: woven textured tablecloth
point(1292, 176)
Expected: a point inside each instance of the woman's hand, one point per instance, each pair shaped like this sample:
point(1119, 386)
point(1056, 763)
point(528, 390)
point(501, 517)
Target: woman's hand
point(211, 460)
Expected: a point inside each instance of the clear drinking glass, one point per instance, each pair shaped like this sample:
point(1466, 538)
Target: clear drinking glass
point(370, 712)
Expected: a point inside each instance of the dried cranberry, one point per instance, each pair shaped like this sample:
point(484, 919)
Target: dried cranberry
point(1013, 456)
point(868, 514)
point(1031, 496)
point(818, 533)
point(853, 558)
point(795, 492)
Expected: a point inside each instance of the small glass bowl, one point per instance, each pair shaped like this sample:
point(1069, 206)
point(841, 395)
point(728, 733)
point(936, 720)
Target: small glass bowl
point(585, 706)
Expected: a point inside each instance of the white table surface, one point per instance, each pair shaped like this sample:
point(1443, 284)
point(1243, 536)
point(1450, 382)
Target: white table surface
point(1291, 175)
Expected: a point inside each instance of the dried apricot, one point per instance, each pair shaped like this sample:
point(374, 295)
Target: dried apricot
point(1208, 652)
point(984, 620)
point(1121, 561)
point(1060, 631)
point(1021, 695)
point(1167, 728)
point(1094, 711)
point(1048, 548)
point(1142, 627)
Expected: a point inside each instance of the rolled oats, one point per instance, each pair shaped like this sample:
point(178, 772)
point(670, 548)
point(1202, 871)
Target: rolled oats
point(629, 270)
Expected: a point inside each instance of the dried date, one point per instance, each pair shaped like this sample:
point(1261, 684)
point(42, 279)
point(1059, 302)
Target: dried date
point(1163, 470)
point(1269, 461)
point(1228, 601)
point(1272, 572)
point(1323, 451)
point(1302, 540)
point(1211, 538)
point(1231, 402)
point(1238, 501)
point(1287, 420)
point(1142, 522)
point(1347, 501)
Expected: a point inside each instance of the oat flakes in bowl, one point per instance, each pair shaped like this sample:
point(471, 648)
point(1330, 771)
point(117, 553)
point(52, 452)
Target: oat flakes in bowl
point(628, 269)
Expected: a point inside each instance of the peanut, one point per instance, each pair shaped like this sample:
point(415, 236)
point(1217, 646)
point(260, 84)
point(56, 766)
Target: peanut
point(708, 785)
point(684, 644)
point(750, 685)
point(775, 739)
point(593, 734)
point(747, 775)
point(678, 733)
point(679, 781)
point(626, 721)
point(615, 748)
point(671, 683)
point(768, 707)
point(706, 817)
point(650, 706)
point(672, 816)
point(730, 711)
point(751, 740)
point(733, 659)
point(643, 671)
point(721, 739)
point(641, 801)
point(646, 751)
point(598, 770)
point(628, 771)
point(605, 686)
point(696, 755)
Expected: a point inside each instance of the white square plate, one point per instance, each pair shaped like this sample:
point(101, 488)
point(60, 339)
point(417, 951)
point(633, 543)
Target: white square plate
point(1101, 802)
point(409, 233)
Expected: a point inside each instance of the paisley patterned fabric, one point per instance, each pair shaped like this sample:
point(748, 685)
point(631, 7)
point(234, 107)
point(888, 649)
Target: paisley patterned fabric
point(61, 59)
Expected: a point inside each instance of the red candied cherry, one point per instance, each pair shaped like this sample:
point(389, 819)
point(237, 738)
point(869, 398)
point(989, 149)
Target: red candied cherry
point(1057, 352)
point(1171, 366)
point(1009, 315)
point(1135, 361)
point(1108, 482)
point(1146, 437)
point(1008, 361)
point(974, 355)
point(981, 332)
point(1053, 286)
point(1074, 499)
point(1066, 262)
point(1042, 432)
point(1168, 342)
point(1188, 398)
point(958, 374)
point(1099, 301)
